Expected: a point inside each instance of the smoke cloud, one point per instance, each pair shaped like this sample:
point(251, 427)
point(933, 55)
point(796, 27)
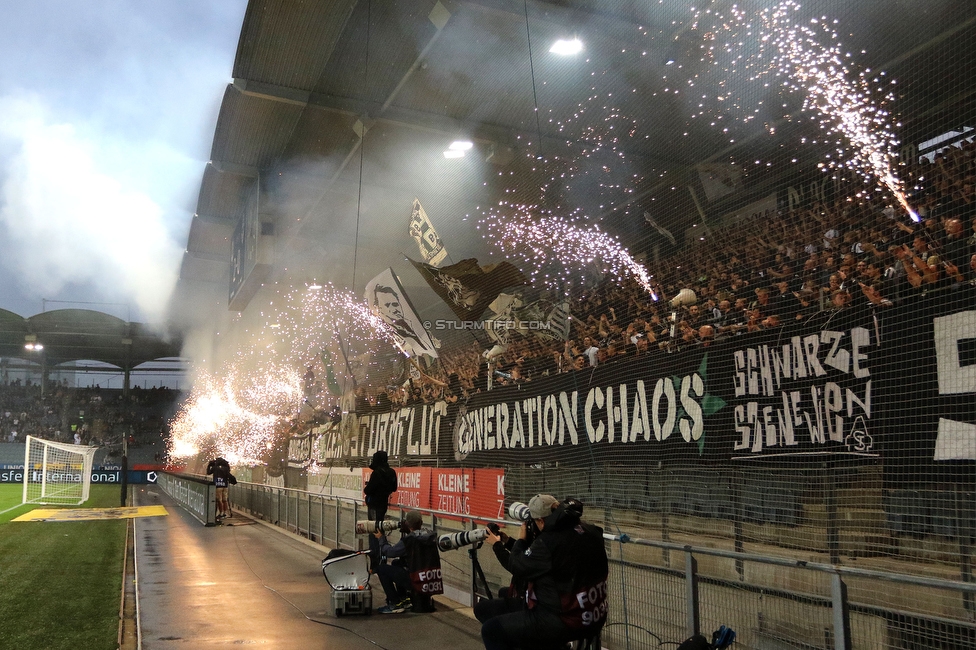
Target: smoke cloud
point(69, 221)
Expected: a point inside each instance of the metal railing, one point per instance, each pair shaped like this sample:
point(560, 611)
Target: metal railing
point(664, 592)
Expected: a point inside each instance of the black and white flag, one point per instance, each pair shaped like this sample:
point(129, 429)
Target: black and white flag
point(422, 230)
point(664, 232)
point(467, 287)
point(388, 300)
point(719, 179)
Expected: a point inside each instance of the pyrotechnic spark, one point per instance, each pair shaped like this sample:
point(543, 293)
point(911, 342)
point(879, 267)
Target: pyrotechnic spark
point(237, 417)
point(260, 393)
point(329, 318)
point(809, 60)
point(560, 251)
point(846, 106)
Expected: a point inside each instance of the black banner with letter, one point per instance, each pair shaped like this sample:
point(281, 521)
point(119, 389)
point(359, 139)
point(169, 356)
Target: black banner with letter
point(896, 384)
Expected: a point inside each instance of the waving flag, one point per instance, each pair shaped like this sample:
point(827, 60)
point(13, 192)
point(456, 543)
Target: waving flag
point(664, 232)
point(422, 230)
point(388, 300)
point(468, 288)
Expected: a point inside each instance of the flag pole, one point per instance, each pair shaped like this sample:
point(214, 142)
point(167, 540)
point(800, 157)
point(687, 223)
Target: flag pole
point(345, 357)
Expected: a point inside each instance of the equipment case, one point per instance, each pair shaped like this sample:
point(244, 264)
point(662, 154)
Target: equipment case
point(347, 572)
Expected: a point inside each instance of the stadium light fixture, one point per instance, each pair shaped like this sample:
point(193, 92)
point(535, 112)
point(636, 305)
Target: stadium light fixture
point(460, 145)
point(567, 47)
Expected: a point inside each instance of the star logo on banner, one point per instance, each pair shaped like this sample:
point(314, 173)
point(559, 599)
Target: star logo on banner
point(710, 403)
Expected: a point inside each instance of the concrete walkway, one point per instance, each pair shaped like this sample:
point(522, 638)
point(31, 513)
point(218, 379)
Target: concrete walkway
point(248, 584)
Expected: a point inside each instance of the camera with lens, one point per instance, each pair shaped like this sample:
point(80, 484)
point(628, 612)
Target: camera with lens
point(519, 512)
point(368, 527)
point(573, 506)
point(454, 541)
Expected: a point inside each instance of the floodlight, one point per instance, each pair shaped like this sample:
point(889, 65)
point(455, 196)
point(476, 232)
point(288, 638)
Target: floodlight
point(461, 145)
point(565, 47)
point(453, 153)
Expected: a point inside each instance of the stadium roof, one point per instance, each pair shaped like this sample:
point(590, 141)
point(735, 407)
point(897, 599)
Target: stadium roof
point(342, 109)
point(82, 334)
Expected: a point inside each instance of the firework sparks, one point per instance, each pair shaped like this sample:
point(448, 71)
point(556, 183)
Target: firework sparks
point(846, 107)
point(329, 318)
point(809, 60)
point(560, 251)
point(261, 392)
point(237, 417)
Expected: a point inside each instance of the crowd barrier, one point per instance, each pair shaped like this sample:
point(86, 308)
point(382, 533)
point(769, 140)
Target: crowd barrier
point(195, 493)
point(663, 592)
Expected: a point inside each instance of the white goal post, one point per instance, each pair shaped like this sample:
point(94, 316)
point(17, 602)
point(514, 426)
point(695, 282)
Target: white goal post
point(56, 473)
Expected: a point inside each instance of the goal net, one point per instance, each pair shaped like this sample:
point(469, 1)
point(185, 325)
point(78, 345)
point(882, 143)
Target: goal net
point(56, 473)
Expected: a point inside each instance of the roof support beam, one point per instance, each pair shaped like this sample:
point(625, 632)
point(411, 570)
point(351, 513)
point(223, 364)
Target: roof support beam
point(235, 168)
point(273, 92)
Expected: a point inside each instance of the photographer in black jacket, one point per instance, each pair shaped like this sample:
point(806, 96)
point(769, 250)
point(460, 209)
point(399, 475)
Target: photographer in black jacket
point(566, 568)
point(510, 598)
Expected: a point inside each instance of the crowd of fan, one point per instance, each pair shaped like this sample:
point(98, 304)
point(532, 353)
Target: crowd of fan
point(82, 415)
point(808, 263)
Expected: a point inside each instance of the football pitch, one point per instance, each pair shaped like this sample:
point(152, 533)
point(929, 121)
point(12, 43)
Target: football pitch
point(61, 581)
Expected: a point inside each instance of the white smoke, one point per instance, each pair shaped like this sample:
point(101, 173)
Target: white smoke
point(69, 222)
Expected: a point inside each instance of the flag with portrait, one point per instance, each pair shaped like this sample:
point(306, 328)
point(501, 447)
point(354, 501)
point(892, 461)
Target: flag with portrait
point(388, 300)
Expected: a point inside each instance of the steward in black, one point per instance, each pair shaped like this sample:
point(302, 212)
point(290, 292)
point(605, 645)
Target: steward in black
point(567, 569)
point(381, 484)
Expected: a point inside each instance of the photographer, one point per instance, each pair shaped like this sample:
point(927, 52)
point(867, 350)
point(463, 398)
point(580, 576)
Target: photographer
point(511, 598)
point(222, 480)
point(415, 573)
point(566, 569)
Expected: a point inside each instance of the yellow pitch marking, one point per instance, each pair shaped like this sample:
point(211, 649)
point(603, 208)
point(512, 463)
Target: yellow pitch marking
point(92, 514)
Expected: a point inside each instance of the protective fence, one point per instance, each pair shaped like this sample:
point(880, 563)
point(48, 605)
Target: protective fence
point(731, 309)
point(841, 441)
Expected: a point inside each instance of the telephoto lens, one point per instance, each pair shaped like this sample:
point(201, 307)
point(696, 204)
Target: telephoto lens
point(367, 527)
point(519, 512)
point(452, 541)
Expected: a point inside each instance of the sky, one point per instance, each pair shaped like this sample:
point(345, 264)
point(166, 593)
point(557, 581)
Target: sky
point(107, 114)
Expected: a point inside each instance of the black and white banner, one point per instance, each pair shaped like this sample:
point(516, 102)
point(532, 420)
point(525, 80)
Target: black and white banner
point(899, 386)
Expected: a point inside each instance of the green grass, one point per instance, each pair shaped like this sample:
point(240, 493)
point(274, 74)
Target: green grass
point(61, 581)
